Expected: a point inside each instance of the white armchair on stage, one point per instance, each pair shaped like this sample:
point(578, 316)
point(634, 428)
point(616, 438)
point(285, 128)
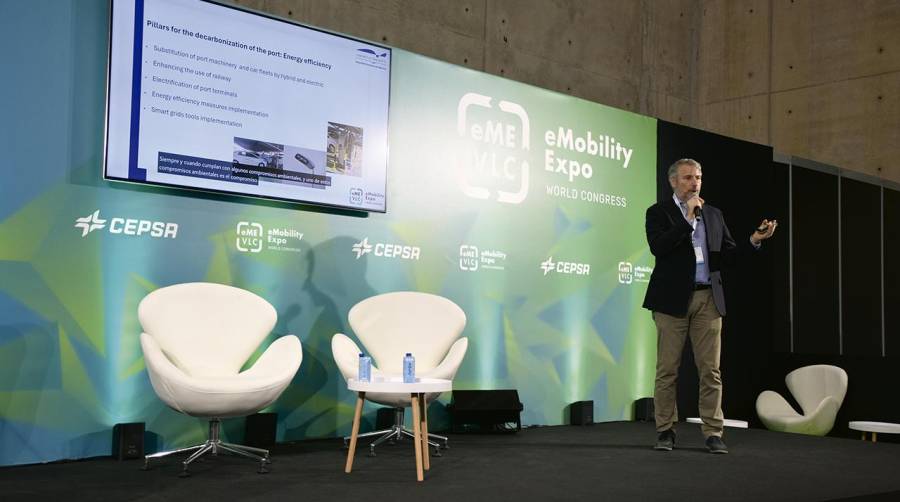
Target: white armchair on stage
point(820, 391)
point(389, 326)
point(196, 338)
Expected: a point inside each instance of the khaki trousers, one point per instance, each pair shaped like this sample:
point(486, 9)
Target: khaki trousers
point(703, 325)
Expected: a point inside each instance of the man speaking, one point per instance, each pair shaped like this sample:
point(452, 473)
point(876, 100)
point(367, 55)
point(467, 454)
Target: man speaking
point(691, 244)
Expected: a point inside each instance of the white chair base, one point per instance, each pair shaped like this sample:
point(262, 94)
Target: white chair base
point(397, 432)
point(214, 445)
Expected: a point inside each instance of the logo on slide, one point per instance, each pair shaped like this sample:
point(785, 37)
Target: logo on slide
point(356, 196)
point(127, 226)
point(565, 267)
point(376, 54)
point(372, 58)
point(90, 223)
point(386, 250)
point(492, 162)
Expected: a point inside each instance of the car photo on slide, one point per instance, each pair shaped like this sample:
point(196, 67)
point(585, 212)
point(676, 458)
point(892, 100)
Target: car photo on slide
point(256, 153)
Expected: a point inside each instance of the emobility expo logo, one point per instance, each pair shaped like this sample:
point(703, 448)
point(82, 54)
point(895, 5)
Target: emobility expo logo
point(386, 250)
point(251, 237)
point(565, 267)
point(492, 162)
point(471, 258)
point(629, 273)
point(134, 227)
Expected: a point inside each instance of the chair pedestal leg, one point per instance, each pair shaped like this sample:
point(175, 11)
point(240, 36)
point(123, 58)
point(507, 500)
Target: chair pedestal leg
point(397, 432)
point(213, 445)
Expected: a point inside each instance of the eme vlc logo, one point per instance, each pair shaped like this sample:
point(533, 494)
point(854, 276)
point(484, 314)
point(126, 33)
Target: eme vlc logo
point(249, 237)
point(468, 258)
point(128, 226)
point(626, 272)
point(565, 267)
point(498, 146)
point(386, 250)
point(356, 196)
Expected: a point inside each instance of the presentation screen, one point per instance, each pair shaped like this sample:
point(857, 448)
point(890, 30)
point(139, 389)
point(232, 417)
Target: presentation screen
point(211, 97)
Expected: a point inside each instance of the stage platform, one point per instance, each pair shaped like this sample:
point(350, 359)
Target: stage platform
point(609, 461)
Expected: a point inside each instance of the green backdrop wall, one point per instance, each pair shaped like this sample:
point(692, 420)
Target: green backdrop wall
point(523, 206)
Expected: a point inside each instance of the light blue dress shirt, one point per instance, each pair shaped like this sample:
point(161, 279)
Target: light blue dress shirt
point(698, 238)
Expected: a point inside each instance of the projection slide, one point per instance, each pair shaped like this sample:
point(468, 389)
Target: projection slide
point(211, 97)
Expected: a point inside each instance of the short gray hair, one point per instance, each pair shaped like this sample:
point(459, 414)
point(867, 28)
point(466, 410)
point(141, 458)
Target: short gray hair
point(673, 169)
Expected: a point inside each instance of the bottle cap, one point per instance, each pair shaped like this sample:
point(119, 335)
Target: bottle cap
point(361, 354)
point(409, 353)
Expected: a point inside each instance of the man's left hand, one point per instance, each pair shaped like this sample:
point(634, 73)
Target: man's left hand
point(764, 231)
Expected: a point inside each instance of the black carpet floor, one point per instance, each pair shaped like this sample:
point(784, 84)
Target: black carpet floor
point(610, 461)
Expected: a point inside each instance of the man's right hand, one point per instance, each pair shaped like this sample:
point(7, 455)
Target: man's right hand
point(692, 203)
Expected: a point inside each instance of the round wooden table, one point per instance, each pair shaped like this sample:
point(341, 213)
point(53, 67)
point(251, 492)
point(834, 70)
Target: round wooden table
point(417, 392)
point(728, 422)
point(875, 428)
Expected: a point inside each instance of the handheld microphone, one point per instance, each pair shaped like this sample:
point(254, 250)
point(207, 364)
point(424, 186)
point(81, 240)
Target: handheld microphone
point(698, 211)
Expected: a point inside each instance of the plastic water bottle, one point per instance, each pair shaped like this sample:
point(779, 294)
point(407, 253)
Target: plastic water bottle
point(409, 368)
point(365, 368)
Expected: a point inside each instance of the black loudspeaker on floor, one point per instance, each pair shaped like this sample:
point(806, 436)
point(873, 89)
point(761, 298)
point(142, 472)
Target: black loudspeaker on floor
point(128, 441)
point(643, 410)
point(581, 413)
point(260, 429)
point(486, 410)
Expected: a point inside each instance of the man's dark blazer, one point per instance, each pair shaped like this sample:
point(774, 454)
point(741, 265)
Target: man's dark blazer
point(669, 235)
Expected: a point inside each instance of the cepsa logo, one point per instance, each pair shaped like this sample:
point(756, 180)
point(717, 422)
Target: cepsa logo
point(386, 250)
point(492, 157)
point(565, 267)
point(127, 226)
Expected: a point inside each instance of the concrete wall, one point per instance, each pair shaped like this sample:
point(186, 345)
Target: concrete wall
point(813, 78)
